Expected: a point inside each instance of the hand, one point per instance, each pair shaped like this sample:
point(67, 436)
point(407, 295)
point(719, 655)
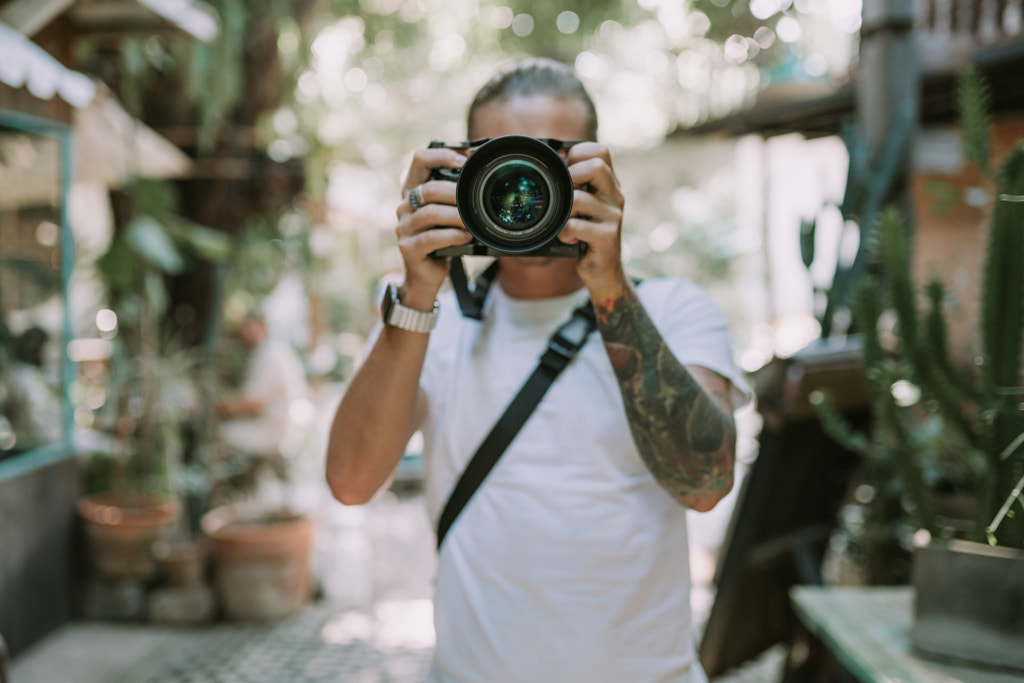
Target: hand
point(434, 225)
point(596, 218)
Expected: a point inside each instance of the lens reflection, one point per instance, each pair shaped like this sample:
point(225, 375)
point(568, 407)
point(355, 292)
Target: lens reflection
point(515, 196)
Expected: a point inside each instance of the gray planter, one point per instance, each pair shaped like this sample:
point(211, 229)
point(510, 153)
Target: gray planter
point(969, 603)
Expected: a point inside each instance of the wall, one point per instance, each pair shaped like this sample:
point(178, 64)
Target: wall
point(37, 532)
point(952, 205)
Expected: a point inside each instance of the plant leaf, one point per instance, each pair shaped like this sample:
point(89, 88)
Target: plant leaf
point(150, 240)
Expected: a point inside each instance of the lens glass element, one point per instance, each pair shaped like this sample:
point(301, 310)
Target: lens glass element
point(515, 195)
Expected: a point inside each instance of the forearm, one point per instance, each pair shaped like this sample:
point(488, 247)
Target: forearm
point(685, 435)
point(376, 417)
point(240, 406)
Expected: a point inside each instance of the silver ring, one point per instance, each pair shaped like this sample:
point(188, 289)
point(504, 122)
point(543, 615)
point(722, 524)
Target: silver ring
point(416, 198)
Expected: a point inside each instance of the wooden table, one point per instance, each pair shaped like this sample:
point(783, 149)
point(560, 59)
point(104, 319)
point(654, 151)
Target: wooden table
point(868, 630)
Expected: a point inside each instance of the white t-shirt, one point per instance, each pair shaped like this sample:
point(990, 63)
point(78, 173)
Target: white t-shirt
point(570, 562)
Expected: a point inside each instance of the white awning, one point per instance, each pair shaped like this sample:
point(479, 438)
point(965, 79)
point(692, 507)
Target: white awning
point(193, 17)
point(112, 147)
point(26, 65)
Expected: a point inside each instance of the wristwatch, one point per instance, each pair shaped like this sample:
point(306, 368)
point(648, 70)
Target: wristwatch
point(393, 313)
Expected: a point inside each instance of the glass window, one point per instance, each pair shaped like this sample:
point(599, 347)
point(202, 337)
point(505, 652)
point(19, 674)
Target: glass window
point(34, 250)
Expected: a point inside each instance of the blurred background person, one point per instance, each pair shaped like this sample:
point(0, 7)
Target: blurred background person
point(260, 420)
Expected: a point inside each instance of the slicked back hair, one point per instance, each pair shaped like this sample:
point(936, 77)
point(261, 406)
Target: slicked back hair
point(535, 76)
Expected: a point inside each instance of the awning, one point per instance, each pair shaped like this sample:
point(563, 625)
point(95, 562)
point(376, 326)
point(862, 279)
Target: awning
point(111, 146)
point(26, 65)
point(193, 17)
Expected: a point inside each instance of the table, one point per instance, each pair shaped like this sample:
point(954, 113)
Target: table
point(868, 630)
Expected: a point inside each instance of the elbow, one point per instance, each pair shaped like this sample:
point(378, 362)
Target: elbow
point(345, 482)
point(347, 492)
point(706, 499)
point(705, 503)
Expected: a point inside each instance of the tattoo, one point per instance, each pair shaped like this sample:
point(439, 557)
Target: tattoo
point(684, 437)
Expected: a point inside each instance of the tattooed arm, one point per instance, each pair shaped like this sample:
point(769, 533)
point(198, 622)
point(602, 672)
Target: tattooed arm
point(680, 416)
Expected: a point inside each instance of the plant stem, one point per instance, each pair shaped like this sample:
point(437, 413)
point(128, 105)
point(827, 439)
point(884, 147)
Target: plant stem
point(1003, 511)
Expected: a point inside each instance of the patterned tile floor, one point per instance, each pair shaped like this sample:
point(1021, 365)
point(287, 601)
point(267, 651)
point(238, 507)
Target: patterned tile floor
point(320, 644)
point(374, 624)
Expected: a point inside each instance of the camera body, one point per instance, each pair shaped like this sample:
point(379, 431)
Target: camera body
point(514, 195)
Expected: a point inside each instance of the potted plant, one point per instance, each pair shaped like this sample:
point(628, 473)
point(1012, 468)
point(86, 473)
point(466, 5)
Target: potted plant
point(262, 559)
point(148, 387)
point(942, 431)
point(260, 543)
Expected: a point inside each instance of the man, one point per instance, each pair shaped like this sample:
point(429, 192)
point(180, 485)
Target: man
point(570, 562)
point(260, 419)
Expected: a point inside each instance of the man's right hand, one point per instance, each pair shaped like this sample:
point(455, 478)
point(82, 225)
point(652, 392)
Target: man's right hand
point(434, 225)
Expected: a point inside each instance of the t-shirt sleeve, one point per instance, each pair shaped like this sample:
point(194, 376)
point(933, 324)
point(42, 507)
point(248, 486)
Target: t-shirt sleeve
point(694, 329)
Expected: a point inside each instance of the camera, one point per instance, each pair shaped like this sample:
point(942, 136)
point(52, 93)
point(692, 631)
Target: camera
point(514, 194)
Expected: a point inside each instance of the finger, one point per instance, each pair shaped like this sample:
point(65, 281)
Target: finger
point(426, 160)
point(424, 243)
point(591, 232)
point(431, 192)
point(599, 176)
point(589, 150)
point(429, 217)
point(592, 207)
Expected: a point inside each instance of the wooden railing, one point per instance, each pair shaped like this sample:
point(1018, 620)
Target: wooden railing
point(949, 30)
point(982, 19)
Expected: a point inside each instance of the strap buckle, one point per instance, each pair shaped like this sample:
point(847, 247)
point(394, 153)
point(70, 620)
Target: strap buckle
point(568, 339)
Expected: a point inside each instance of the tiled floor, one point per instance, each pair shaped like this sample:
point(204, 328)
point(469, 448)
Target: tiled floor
point(320, 644)
point(373, 623)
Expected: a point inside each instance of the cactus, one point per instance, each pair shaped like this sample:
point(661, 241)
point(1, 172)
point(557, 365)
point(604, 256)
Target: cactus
point(870, 180)
point(982, 415)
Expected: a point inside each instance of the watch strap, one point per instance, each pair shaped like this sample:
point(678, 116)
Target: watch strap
point(406, 318)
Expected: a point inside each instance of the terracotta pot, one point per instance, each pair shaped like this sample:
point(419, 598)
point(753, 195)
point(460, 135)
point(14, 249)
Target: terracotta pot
point(121, 529)
point(182, 563)
point(261, 561)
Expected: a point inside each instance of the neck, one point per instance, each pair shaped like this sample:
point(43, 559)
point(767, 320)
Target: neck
point(538, 277)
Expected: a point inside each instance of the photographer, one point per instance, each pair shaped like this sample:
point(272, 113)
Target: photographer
point(570, 562)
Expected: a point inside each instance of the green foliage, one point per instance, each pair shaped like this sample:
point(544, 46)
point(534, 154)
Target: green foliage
point(808, 232)
point(979, 422)
point(943, 195)
point(973, 101)
point(156, 240)
point(149, 395)
point(870, 180)
point(215, 77)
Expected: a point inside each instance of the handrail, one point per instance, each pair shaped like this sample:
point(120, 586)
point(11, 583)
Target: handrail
point(985, 20)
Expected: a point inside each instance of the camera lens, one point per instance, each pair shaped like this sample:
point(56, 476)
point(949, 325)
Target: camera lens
point(515, 195)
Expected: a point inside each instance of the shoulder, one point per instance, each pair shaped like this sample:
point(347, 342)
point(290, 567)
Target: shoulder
point(669, 296)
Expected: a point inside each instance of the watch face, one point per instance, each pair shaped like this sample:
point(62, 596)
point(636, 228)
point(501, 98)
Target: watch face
point(387, 304)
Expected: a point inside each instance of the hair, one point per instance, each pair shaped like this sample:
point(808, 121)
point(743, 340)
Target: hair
point(535, 76)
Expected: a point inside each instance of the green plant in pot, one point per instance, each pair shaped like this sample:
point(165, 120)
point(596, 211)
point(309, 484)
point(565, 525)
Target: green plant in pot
point(149, 387)
point(260, 544)
point(943, 431)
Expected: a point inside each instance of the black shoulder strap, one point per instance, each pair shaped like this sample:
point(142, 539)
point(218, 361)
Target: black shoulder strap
point(562, 348)
point(471, 296)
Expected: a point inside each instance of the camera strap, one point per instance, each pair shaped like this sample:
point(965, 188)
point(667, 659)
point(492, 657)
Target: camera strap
point(562, 347)
point(471, 296)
